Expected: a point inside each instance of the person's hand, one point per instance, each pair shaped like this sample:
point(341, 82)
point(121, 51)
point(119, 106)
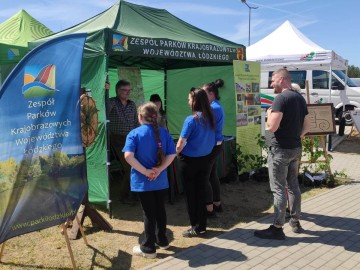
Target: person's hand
point(107, 85)
point(157, 171)
point(150, 174)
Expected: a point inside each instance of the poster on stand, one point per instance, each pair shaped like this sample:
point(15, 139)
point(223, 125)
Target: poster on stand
point(248, 105)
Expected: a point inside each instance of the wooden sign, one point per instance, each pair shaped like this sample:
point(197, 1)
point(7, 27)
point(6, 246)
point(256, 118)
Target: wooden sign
point(355, 115)
point(322, 119)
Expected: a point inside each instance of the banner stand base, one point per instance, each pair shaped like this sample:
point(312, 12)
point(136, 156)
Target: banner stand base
point(64, 232)
point(87, 210)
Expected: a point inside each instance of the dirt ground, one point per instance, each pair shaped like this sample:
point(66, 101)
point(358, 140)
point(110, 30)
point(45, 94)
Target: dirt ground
point(46, 249)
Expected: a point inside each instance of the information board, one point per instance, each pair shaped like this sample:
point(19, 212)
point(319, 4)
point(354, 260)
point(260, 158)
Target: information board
point(322, 119)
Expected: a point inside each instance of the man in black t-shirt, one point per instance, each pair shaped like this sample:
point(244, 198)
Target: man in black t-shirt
point(287, 124)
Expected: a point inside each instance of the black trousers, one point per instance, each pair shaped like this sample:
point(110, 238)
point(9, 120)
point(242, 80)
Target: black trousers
point(117, 144)
point(195, 173)
point(213, 187)
point(154, 213)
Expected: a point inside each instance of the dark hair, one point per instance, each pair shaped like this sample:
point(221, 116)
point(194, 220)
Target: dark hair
point(200, 103)
point(149, 111)
point(213, 87)
point(157, 98)
point(120, 84)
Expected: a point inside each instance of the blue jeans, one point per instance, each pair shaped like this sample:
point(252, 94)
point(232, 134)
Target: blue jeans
point(283, 172)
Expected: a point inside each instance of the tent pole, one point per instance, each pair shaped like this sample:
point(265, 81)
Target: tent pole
point(107, 89)
point(329, 139)
point(165, 88)
point(330, 82)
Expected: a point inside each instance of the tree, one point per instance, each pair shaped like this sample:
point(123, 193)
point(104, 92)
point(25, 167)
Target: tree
point(353, 72)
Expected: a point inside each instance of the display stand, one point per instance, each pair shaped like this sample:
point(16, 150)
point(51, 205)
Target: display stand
point(326, 122)
point(64, 232)
point(87, 210)
point(323, 145)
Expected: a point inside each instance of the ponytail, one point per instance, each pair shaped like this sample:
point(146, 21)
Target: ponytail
point(213, 87)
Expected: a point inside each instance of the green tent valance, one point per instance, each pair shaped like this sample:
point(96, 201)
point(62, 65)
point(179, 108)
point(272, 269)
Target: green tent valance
point(172, 49)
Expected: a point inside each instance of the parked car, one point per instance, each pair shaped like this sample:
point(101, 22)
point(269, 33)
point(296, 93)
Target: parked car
point(319, 89)
point(356, 80)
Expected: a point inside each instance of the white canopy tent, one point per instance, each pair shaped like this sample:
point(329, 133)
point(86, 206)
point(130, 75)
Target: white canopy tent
point(288, 47)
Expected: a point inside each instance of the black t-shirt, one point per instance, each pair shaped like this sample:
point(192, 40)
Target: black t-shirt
point(293, 106)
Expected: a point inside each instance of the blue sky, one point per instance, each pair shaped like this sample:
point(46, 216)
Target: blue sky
point(333, 25)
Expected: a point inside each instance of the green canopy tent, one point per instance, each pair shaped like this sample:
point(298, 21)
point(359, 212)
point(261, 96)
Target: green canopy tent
point(173, 56)
point(15, 33)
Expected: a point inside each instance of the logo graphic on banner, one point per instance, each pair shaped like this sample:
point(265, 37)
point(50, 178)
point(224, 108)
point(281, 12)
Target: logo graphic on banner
point(120, 42)
point(39, 83)
point(42, 161)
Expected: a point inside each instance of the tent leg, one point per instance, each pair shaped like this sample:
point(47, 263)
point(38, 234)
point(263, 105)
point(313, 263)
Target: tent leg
point(107, 121)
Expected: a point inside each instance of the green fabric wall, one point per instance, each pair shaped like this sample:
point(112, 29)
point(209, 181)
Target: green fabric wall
point(96, 154)
point(179, 83)
point(153, 83)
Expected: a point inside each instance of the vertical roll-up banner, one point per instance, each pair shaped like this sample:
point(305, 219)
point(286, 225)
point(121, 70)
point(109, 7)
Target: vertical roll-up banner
point(248, 105)
point(42, 161)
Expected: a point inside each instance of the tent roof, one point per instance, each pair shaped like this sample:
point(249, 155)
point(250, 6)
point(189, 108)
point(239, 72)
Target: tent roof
point(21, 28)
point(143, 21)
point(287, 46)
point(286, 39)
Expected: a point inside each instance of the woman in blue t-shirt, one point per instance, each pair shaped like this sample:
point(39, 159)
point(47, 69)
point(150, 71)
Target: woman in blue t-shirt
point(150, 149)
point(213, 200)
point(196, 142)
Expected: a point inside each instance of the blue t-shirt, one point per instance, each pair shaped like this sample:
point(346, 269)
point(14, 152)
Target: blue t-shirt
point(219, 119)
point(142, 142)
point(200, 137)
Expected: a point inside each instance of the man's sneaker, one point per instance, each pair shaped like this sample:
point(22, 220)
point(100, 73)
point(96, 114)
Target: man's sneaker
point(271, 233)
point(295, 226)
point(193, 233)
point(162, 245)
point(138, 252)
